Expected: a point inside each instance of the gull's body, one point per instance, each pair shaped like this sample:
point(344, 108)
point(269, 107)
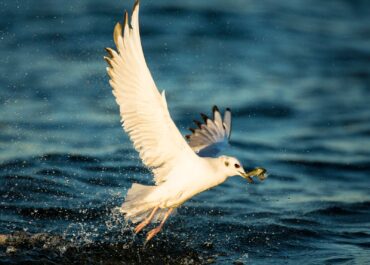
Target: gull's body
point(182, 186)
point(179, 170)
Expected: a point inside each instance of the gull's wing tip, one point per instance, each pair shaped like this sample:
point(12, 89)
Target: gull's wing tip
point(136, 5)
point(108, 60)
point(215, 108)
point(227, 121)
point(204, 117)
point(119, 28)
point(109, 51)
point(198, 123)
point(117, 32)
point(125, 18)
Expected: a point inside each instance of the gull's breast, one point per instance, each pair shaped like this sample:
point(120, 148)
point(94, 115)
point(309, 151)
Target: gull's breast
point(186, 184)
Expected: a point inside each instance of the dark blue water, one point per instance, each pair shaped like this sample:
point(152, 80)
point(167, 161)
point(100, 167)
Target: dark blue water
point(296, 75)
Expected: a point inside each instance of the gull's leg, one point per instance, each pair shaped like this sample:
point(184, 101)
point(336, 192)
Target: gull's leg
point(156, 230)
point(146, 221)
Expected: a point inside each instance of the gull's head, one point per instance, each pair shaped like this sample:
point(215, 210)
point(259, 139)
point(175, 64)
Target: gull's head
point(232, 167)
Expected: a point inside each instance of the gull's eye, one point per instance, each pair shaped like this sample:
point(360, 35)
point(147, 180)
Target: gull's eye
point(237, 166)
point(226, 163)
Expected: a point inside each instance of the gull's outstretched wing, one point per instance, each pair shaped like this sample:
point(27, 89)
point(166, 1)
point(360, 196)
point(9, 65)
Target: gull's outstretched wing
point(143, 109)
point(211, 136)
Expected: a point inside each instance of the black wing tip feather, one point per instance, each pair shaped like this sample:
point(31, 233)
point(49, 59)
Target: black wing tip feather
point(125, 18)
point(214, 110)
point(204, 117)
point(109, 51)
point(199, 124)
point(108, 60)
point(136, 4)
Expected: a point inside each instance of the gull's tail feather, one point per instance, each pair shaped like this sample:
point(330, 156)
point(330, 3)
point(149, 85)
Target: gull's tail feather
point(135, 207)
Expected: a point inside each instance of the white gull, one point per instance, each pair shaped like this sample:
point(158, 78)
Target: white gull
point(181, 167)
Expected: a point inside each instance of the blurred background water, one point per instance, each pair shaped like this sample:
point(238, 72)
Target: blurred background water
point(296, 75)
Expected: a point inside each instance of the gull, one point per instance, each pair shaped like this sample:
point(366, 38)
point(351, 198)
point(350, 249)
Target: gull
point(182, 166)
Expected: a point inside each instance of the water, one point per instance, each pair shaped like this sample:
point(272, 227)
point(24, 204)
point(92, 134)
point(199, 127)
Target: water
point(296, 75)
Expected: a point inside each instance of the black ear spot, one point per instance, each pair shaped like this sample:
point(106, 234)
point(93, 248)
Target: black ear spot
point(226, 163)
point(237, 166)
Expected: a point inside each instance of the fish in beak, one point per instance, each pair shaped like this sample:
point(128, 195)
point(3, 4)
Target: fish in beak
point(259, 172)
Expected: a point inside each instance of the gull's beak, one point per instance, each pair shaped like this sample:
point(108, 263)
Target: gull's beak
point(259, 172)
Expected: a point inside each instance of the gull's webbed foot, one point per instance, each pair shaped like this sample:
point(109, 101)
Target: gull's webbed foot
point(140, 226)
point(153, 232)
point(147, 221)
point(156, 230)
